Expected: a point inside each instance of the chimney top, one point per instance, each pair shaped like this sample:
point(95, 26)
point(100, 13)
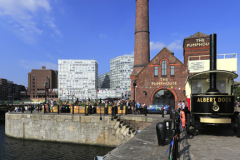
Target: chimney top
point(43, 67)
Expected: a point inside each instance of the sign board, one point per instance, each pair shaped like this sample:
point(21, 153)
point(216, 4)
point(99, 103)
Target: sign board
point(196, 66)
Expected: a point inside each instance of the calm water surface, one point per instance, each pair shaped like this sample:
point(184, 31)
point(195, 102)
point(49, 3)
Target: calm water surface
point(11, 148)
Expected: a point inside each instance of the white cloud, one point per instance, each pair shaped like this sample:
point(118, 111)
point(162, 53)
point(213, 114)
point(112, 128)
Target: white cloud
point(25, 14)
point(156, 45)
point(175, 45)
point(37, 65)
point(50, 22)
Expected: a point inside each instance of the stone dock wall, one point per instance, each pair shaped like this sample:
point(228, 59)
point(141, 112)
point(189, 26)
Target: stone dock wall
point(72, 128)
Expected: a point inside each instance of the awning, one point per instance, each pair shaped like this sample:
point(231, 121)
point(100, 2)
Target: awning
point(220, 73)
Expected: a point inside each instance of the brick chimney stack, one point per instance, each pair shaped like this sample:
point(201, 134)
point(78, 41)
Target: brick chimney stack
point(141, 46)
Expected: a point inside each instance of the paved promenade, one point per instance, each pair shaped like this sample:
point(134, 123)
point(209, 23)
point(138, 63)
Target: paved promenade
point(212, 143)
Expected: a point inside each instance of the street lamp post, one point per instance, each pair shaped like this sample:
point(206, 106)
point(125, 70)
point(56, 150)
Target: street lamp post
point(46, 87)
point(134, 85)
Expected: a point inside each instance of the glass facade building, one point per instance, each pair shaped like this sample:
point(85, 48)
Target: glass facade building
point(104, 80)
point(77, 79)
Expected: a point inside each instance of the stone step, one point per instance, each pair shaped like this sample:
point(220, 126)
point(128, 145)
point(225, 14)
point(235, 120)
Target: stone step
point(118, 130)
point(116, 125)
point(126, 132)
point(132, 135)
point(123, 128)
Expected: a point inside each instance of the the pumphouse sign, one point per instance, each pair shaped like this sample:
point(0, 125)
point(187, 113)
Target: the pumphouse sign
point(200, 42)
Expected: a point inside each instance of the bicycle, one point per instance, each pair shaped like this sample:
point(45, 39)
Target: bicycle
point(174, 146)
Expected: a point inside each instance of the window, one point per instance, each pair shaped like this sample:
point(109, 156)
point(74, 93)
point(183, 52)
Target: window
point(172, 72)
point(155, 71)
point(196, 87)
point(164, 68)
point(221, 86)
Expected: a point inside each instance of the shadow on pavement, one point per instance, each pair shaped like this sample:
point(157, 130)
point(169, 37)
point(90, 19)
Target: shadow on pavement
point(211, 131)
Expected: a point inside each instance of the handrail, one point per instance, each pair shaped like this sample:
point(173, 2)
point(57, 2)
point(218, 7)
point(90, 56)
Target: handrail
point(233, 54)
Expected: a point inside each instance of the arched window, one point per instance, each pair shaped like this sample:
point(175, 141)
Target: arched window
point(164, 68)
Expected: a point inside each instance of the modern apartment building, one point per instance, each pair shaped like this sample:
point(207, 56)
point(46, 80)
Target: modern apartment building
point(77, 79)
point(36, 84)
point(120, 69)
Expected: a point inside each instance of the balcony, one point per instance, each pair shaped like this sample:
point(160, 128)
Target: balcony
point(201, 63)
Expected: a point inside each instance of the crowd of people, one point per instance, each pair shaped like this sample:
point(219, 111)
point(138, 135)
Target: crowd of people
point(135, 108)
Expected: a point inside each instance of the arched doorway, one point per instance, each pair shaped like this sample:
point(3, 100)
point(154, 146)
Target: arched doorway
point(164, 96)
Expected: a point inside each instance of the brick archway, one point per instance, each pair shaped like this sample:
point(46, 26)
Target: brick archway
point(158, 89)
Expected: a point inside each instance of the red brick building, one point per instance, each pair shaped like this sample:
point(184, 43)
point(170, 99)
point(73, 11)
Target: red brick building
point(196, 47)
point(36, 80)
point(161, 81)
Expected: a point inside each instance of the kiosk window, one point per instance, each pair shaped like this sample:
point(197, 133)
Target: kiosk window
point(221, 86)
point(196, 87)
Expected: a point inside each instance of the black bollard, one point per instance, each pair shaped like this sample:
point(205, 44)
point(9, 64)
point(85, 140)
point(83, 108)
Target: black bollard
point(72, 109)
point(126, 109)
point(100, 113)
point(145, 110)
point(173, 115)
point(178, 127)
point(163, 113)
point(89, 110)
point(168, 124)
point(161, 133)
point(44, 108)
point(31, 109)
point(86, 110)
point(104, 110)
point(173, 132)
point(116, 110)
point(58, 109)
point(112, 113)
point(22, 109)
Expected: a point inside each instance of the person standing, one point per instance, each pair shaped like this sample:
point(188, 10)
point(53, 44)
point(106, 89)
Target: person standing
point(183, 106)
point(52, 103)
point(179, 106)
point(133, 107)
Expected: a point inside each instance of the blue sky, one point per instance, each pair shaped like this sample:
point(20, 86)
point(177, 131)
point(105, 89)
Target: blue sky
point(35, 33)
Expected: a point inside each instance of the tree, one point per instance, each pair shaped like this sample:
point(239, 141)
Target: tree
point(236, 92)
